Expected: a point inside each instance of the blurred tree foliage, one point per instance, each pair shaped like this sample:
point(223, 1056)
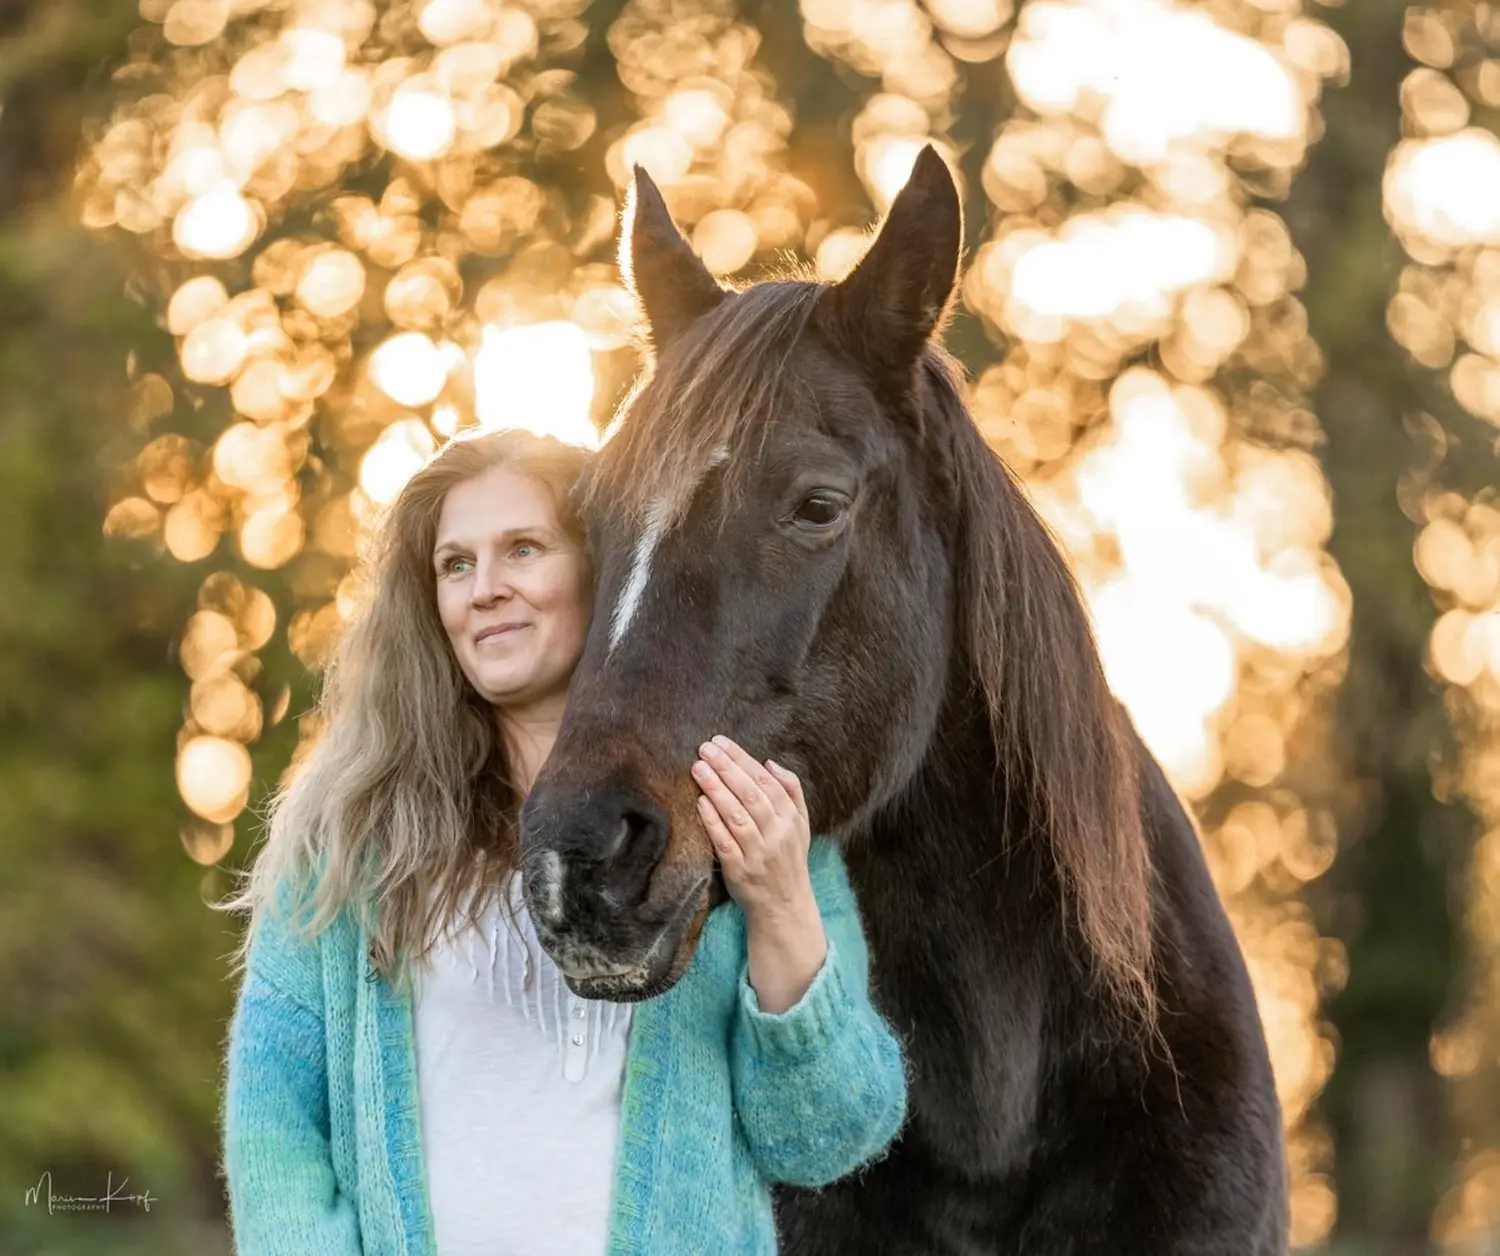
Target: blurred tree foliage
point(1394, 895)
point(111, 969)
point(111, 977)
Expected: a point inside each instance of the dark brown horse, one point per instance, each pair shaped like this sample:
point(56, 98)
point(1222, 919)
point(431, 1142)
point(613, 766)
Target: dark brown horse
point(800, 539)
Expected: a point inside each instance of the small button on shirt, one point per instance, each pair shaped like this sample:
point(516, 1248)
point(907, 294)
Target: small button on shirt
point(519, 1086)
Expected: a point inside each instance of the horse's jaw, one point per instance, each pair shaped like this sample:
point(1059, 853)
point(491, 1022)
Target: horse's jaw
point(666, 957)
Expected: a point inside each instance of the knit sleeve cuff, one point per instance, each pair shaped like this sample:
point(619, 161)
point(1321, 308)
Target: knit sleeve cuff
point(806, 1027)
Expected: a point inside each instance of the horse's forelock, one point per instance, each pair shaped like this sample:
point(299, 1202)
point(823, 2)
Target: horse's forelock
point(708, 397)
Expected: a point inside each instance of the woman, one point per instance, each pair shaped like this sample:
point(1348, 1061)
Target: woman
point(381, 1097)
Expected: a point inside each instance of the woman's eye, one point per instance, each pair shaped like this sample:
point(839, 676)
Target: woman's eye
point(455, 566)
point(524, 549)
point(820, 510)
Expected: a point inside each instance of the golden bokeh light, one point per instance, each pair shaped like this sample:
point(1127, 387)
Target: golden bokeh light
point(1445, 193)
point(132, 518)
point(213, 777)
point(423, 293)
point(1127, 265)
point(394, 458)
point(1173, 647)
point(166, 468)
point(210, 645)
point(193, 525)
point(970, 19)
point(417, 123)
point(1164, 74)
point(213, 350)
point(197, 300)
point(885, 163)
point(726, 240)
point(331, 283)
point(224, 707)
point(539, 378)
point(409, 369)
point(206, 843)
point(220, 223)
point(839, 252)
point(314, 58)
point(1442, 199)
point(272, 535)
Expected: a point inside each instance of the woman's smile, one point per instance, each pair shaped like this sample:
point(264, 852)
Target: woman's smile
point(498, 632)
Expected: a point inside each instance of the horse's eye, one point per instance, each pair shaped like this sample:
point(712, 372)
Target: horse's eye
point(819, 510)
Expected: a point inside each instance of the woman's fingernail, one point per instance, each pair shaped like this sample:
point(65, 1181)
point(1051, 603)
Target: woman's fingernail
point(720, 740)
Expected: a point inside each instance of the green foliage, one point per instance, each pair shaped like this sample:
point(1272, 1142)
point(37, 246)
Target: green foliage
point(111, 977)
point(1391, 896)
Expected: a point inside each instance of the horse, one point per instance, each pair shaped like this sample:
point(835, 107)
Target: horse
point(800, 538)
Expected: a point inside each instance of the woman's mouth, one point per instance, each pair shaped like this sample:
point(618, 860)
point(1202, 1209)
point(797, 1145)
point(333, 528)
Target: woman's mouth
point(500, 630)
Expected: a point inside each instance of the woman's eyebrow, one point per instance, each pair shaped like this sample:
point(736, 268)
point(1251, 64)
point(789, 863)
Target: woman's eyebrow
point(509, 534)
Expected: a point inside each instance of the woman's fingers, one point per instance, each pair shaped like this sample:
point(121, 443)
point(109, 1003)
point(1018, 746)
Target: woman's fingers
point(780, 784)
point(792, 784)
point(731, 857)
point(752, 786)
point(755, 817)
point(754, 777)
point(726, 806)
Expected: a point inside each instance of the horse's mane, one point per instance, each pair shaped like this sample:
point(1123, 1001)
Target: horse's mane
point(1056, 725)
point(1059, 733)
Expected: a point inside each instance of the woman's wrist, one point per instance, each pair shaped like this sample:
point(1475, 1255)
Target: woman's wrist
point(786, 947)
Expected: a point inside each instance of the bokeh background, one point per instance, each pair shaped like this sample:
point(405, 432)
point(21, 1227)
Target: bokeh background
point(1232, 312)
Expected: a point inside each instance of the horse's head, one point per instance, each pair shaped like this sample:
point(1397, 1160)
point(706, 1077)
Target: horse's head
point(767, 565)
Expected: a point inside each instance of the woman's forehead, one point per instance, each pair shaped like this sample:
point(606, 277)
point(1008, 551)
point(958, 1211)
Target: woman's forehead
point(494, 502)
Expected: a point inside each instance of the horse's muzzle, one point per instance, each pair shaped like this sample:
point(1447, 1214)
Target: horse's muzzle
point(609, 909)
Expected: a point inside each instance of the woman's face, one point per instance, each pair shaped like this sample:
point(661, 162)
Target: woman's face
point(513, 589)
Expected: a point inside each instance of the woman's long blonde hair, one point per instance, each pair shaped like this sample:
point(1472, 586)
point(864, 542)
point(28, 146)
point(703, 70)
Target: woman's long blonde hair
point(404, 809)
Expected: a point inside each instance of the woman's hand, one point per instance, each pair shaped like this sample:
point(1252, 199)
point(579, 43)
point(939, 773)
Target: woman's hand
point(756, 816)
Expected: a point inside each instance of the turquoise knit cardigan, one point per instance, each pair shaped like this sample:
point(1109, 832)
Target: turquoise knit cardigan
point(323, 1149)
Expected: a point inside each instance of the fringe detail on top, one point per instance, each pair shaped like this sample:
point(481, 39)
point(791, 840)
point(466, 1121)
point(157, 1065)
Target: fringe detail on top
point(528, 979)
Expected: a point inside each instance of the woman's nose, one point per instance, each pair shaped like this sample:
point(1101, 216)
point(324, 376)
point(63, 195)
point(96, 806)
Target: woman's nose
point(490, 585)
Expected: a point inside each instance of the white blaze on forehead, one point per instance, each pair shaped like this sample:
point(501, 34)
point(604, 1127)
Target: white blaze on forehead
point(640, 565)
point(640, 572)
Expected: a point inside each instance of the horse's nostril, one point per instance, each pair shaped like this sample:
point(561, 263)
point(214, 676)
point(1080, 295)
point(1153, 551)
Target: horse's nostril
point(640, 841)
point(623, 833)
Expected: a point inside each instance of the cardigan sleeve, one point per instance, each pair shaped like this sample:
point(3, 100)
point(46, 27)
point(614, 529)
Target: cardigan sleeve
point(819, 1089)
point(283, 1196)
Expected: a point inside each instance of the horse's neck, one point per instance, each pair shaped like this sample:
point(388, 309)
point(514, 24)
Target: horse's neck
point(971, 960)
point(957, 859)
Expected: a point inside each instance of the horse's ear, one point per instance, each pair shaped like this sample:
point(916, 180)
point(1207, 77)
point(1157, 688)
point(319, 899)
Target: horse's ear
point(888, 307)
point(659, 266)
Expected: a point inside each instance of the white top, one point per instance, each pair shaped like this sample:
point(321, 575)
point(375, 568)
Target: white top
point(519, 1083)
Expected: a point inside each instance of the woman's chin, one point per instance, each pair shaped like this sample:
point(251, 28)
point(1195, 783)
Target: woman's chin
point(504, 688)
point(513, 686)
